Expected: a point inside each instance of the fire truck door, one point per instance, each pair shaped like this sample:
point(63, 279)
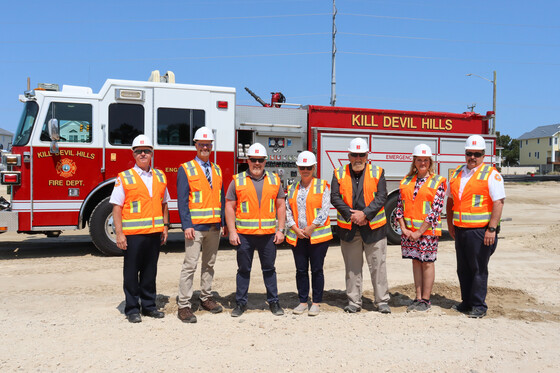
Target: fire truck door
point(61, 181)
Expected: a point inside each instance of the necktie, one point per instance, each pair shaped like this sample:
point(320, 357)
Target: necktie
point(208, 175)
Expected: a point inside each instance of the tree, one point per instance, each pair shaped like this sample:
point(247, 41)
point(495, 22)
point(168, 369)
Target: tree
point(511, 149)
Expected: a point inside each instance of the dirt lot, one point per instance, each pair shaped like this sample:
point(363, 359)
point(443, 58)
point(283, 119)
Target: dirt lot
point(61, 310)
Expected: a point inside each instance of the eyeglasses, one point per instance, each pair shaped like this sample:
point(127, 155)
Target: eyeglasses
point(257, 160)
point(356, 155)
point(201, 145)
point(305, 168)
point(145, 151)
point(476, 154)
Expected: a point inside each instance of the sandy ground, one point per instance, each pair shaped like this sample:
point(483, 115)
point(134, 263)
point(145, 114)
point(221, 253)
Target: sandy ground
point(61, 310)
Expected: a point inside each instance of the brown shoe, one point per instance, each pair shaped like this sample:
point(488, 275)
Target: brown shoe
point(186, 315)
point(211, 305)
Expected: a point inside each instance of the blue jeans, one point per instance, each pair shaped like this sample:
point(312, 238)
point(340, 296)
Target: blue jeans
point(266, 248)
point(306, 253)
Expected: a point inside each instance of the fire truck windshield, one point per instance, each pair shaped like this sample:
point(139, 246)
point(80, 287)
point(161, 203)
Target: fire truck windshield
point(26, 122)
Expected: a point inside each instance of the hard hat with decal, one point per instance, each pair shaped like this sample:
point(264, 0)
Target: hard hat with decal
point(142, 140)
point(203, 133)
point(358, 145)
point(306, 158)
point(475, 142)
point(256, 150)
point(422, 150)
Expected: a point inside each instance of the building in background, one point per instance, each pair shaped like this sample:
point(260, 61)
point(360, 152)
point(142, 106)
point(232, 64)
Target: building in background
point(539, 147)
point(6, 138)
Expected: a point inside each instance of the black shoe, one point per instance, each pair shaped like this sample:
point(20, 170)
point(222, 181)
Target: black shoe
point(238, 310)
point(477, 313)
point(276, 309)
point(134, 318)
point(462, 307)
point(352, 309)
point(154, 313)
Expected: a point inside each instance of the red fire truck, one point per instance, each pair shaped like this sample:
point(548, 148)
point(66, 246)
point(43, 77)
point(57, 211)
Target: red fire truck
point(71, 143)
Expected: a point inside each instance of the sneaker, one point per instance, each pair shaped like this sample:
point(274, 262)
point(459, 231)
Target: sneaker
point(461, 307)
point(423, 305)
point(412, 306)
point(477, 313)
point(211, 305)
point(301, 308)
point(384, 308)
point(276, 309)
point(352, 309)
point(186, 315)
point(314, 310)
point(238, 310)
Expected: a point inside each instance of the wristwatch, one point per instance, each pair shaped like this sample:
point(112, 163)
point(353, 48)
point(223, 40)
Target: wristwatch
point(491, 229)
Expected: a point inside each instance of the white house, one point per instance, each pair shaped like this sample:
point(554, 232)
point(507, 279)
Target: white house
point(6, 138)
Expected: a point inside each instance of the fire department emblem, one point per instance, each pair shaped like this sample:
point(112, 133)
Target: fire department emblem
point(66, 167)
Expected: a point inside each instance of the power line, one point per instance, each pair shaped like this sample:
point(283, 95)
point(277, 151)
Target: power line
point(452, 59)
point(452, 40)
point(162, 39)
point(448, 21)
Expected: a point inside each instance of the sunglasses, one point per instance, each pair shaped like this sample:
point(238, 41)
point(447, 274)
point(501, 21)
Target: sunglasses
point(305, 168)
point(476, 154)
point(200, 145)
point(358, 155)
point(257, 160)
point(145, 151)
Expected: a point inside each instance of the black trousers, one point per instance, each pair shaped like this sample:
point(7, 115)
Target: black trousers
point(472, 265)
point(139, 272)
point(305, 254)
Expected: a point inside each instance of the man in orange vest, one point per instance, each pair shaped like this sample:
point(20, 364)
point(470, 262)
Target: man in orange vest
point(359, 193)
point(200, 199)
point(254, 200)
point(140, 220)
point(475, 201)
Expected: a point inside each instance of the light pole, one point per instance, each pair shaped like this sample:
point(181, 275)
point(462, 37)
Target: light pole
point(494, 98)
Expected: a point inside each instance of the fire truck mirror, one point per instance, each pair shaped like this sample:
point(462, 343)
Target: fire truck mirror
point(54, 129)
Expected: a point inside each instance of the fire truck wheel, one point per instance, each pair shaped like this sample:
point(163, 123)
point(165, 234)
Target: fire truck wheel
point(394, 229)
point(101, 229)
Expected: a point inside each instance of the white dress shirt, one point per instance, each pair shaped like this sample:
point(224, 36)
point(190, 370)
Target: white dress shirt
point(117, 197)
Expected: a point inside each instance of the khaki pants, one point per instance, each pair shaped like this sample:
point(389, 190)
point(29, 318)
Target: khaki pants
point(209, 242)
point(375, 253)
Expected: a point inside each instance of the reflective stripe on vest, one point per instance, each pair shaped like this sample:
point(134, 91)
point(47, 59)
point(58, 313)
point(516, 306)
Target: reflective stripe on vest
point(474, 208)
point(372, 174)
point(416, 209)
point(254, 216)
point(142, 214)
point(205, 203)
point(313, 204)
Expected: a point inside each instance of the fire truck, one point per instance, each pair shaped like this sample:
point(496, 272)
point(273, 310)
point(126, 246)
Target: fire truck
point(71, 143)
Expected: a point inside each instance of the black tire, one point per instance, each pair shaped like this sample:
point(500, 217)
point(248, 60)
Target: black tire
point(393, 227)
point(101, 229)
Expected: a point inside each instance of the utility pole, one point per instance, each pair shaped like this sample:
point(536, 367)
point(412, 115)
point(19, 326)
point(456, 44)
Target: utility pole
point(333, 74)
point(494, 105)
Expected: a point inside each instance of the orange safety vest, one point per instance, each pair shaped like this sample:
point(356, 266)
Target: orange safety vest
point(205, 203)
point(416, 210)
point(313, 205)
point(253, 217)
point(474, 208)
point(142, 214)
point(371, 179)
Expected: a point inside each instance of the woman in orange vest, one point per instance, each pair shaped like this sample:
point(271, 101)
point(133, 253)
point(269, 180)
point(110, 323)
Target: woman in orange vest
point(418, 213)
point(309, 231)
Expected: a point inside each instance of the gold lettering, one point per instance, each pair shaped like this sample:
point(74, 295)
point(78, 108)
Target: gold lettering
point(74, 182)
point(449, 124)
point(55, 182)
point(386, 121)
point(356, 120)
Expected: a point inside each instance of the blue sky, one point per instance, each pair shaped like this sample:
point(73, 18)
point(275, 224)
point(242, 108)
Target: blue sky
point(404, 55)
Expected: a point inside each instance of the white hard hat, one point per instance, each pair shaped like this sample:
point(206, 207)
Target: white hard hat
point(422, 150)
point(475, 142)
point(358, 145)
point(256, 150)
point(203, 133)
point(306, 158)
point(142, 140)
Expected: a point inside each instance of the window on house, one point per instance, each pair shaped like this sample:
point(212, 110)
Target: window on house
point(529, 154)
point(538, 141)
